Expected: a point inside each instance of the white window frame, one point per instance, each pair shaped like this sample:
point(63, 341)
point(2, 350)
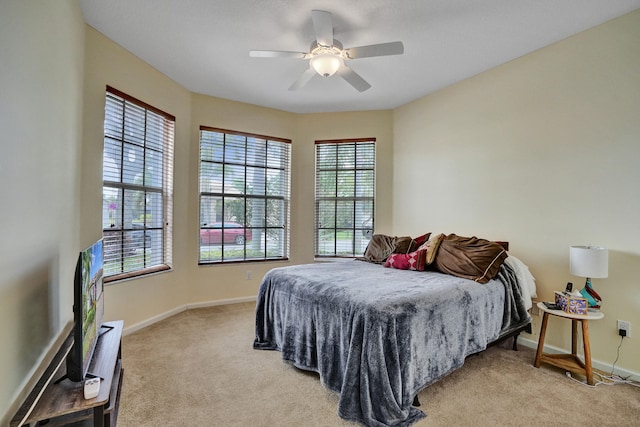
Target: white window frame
point(360, 203)
point(136, 243)
point(263, 237)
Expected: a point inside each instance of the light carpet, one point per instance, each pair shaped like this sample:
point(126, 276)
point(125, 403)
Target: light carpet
point(198, 368)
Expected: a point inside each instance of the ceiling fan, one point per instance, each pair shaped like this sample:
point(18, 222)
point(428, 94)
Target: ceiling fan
point(327, 57)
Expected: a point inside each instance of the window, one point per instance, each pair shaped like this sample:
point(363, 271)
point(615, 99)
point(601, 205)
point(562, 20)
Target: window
point(345, 172)
point(137, 187)
point(244, 196)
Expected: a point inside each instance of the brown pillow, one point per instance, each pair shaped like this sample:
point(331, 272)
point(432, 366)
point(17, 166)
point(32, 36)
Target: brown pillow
point(379, 248)
point(470, 257)
point(405, 245)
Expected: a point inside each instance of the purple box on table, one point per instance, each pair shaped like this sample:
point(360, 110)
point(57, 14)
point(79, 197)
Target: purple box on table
point(572, 304)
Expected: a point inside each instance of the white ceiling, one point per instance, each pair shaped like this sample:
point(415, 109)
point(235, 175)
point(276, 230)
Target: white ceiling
point(204, 44)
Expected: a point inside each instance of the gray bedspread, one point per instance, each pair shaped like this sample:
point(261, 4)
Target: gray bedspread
point(376, 335)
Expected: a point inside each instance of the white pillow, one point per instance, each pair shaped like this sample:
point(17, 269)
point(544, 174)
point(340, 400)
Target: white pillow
point(525, 279)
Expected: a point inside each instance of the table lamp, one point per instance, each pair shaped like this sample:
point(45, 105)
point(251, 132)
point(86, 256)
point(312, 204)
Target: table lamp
point(590, 262)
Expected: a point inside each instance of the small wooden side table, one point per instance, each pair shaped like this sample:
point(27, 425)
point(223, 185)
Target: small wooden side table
point(569, 362)
point(62, 404)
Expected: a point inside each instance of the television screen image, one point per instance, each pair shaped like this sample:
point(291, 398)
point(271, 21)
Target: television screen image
point(92, 305)
point(88, 310)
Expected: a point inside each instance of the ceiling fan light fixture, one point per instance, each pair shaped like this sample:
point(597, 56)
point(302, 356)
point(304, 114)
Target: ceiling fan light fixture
point(327, 56)
point(326, 64)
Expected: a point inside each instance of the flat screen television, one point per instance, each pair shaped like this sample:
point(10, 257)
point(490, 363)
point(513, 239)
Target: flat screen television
point(88, 311)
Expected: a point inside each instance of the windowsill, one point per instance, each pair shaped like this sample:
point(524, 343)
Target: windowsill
point(125, 277)
point(334, 259)
point(242, 261)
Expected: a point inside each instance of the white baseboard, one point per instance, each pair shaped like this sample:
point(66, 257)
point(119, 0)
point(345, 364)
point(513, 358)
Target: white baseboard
point(221, 302)
point(597, 364)
point(141, 325)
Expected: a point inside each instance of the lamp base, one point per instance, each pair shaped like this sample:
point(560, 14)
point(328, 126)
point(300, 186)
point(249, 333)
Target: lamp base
point(593, 299)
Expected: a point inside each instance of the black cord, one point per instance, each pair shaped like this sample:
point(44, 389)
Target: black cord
point(613, 367)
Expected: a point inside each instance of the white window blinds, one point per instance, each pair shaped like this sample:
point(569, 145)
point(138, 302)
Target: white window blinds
point(345, 193)
point(244, 196)
point(137, 187)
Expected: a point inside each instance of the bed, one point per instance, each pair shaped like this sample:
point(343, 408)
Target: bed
point(379, 335)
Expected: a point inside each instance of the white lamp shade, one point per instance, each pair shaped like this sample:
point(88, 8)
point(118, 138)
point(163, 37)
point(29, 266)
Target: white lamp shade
point(326, 64)
point(589, 261)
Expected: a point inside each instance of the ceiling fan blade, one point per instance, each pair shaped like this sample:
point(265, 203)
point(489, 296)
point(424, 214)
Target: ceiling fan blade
point(382, 49)
point(276, 54)
point(353, 79)
point(303, 79)
point(323, 26)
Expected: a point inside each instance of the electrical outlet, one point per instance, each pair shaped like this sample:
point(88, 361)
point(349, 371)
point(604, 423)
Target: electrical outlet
point(249, 275)
point(624, 325)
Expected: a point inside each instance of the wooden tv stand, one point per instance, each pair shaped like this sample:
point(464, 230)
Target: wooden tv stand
point(64, 403)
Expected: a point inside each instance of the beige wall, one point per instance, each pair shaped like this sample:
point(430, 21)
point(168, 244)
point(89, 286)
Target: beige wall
point(225, 282)
point(40, 121)
point(217, 282)
point(312, 127)
point(542, 152)
point(140, 300)
point(553, 135)
point(106, 63)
